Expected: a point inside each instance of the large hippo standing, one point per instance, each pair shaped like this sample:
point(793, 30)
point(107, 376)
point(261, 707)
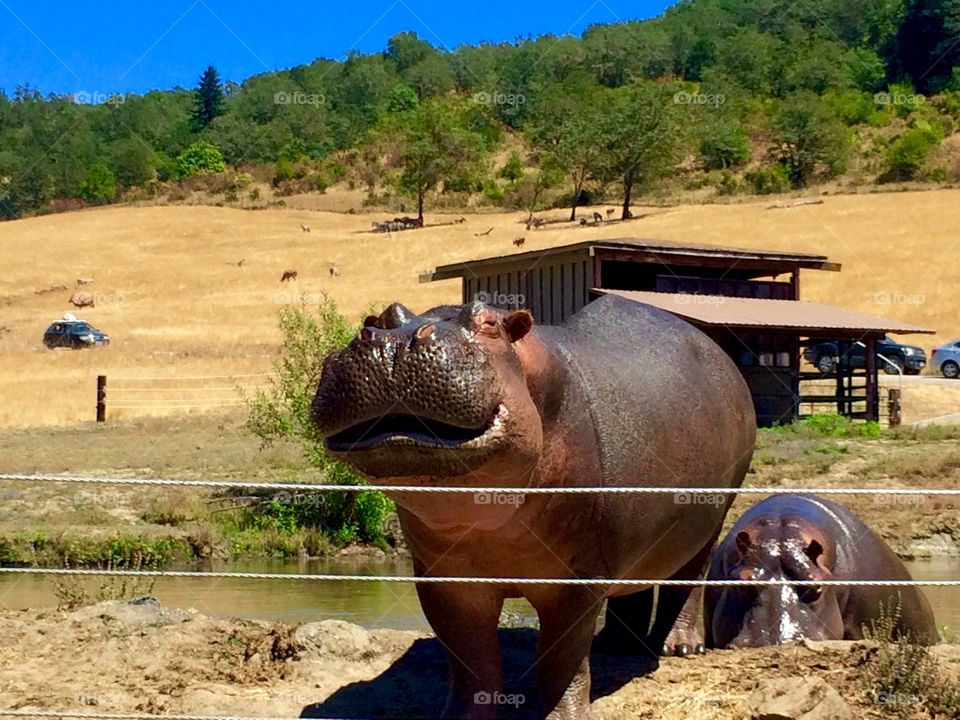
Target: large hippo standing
point(623, 395)
point(804, 537)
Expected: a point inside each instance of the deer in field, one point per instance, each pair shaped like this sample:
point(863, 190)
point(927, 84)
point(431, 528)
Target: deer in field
point(519, 241)
point(334, 272)
point(304, 227)
point(610, 212)
point(288, 275)
point(597, 217)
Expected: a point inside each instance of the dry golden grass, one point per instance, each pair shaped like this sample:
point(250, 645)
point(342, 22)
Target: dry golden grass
point(176, 304)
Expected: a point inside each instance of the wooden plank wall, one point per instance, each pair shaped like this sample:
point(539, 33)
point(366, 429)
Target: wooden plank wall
point(552, 291)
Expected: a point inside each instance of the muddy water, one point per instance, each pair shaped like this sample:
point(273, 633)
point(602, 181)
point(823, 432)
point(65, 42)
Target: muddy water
point(368, 603)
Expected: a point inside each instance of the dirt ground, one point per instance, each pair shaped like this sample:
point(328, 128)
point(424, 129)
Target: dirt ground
point(117, 656)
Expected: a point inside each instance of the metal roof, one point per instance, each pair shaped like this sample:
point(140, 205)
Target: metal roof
point(805, 318)
point(664, 248)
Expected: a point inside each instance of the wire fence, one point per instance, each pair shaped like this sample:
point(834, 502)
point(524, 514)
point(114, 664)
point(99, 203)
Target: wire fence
point(145, 394)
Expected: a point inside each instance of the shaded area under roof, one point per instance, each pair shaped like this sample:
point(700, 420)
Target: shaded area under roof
point(663, 250)
point(797, 316)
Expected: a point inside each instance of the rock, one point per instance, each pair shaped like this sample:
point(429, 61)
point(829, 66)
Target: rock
point(797, 699)
point(334, 639)
point(137, 613)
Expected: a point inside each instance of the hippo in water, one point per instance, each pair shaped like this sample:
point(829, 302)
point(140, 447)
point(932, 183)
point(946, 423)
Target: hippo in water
point(804, 537)
point(469, 396)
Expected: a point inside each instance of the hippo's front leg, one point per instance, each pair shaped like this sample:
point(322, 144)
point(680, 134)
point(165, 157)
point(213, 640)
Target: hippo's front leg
point(465, 619)
point(568, 620)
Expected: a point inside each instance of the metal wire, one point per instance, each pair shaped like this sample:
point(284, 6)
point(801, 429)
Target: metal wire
point(136, 715)
point(686, 495)
point(439, 579)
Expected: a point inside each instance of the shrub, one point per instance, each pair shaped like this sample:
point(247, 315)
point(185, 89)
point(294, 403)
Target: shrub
point(809, 139)
point(513, 170)
point(200, 158)
point(769, 180)
point(282, 412)
point(493, 192)
point(99, 185)
point(724, 145)
point(909, 152)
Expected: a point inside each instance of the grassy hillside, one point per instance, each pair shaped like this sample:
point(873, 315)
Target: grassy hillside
point(171, 293)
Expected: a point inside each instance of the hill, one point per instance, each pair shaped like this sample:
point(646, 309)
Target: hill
point(176, 303)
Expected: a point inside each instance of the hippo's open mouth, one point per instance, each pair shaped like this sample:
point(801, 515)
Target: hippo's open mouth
point(407, 429)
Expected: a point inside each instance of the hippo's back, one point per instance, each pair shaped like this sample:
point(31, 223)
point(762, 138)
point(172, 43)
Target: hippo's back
point(668, 405)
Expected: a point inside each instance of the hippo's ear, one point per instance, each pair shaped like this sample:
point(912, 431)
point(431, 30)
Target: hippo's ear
point(370, 321)
point(743, 542)
point(518, 324)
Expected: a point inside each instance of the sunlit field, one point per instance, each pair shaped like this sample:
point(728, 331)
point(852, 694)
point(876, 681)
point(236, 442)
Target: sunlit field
point(194, 291)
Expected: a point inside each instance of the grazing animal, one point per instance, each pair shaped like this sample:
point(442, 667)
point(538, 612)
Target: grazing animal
point(610, 212)
point(334, 272)
point(459, 221)
point(804, 537)
point(241, 262)
point(467, 395)
point(485, 232)
point(304, 227)
point(84, 281)
point(288, 275)
point(535, 223)
point(597, 217)
point(82, 300)
point(583, 221)
point(519, 241)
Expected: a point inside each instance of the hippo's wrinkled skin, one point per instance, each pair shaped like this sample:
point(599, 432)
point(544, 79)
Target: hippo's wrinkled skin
point(622, 395)
point(804, 537)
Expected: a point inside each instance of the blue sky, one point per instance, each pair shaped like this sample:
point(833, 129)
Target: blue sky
point(112, 46)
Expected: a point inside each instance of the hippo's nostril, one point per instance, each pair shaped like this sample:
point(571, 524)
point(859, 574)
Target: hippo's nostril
point(425, 332)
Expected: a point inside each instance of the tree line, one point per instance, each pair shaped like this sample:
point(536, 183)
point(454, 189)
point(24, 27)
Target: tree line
point(749, 95)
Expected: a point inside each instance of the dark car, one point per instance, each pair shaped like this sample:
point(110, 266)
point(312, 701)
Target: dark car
point(892, 357)
point(73, 334)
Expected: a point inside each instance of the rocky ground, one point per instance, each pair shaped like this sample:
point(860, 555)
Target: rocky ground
point(140, 656)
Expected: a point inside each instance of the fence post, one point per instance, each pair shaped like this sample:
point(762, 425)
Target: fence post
point(894, 413)
point(101, 398)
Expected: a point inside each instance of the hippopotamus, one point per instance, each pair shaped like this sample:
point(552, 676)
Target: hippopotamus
point(622, 395)
point(804, 537)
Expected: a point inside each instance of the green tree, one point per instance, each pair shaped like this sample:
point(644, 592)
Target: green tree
point(100, 185)
point(641, 136)
point(402, 98)
point(928, 43)
point(200, 158)
point(209, 96)
point(132, 161)
point(809, 139)
point(431, 146)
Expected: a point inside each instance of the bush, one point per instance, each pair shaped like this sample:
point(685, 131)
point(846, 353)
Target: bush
point(809, 139)
point(909, 152)
point(724, 145)
point(513, 170)
point(493, 192)
point(854, 107)
point(200, 158)
point(769, 180)
point(282, 412)
point(100, 185)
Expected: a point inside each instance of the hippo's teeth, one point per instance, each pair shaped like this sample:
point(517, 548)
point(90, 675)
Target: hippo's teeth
point(412, 430)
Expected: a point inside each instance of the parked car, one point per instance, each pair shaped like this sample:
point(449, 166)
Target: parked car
point(892, 357)
point(946, 359)
point(73, 333)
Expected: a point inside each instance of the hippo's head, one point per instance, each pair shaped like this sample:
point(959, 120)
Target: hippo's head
point(439, 394)
point(754, 616)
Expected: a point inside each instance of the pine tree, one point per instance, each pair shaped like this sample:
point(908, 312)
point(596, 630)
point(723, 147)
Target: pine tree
point(208, 98)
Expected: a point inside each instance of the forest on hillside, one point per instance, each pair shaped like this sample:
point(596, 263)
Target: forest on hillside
point(735, 96)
